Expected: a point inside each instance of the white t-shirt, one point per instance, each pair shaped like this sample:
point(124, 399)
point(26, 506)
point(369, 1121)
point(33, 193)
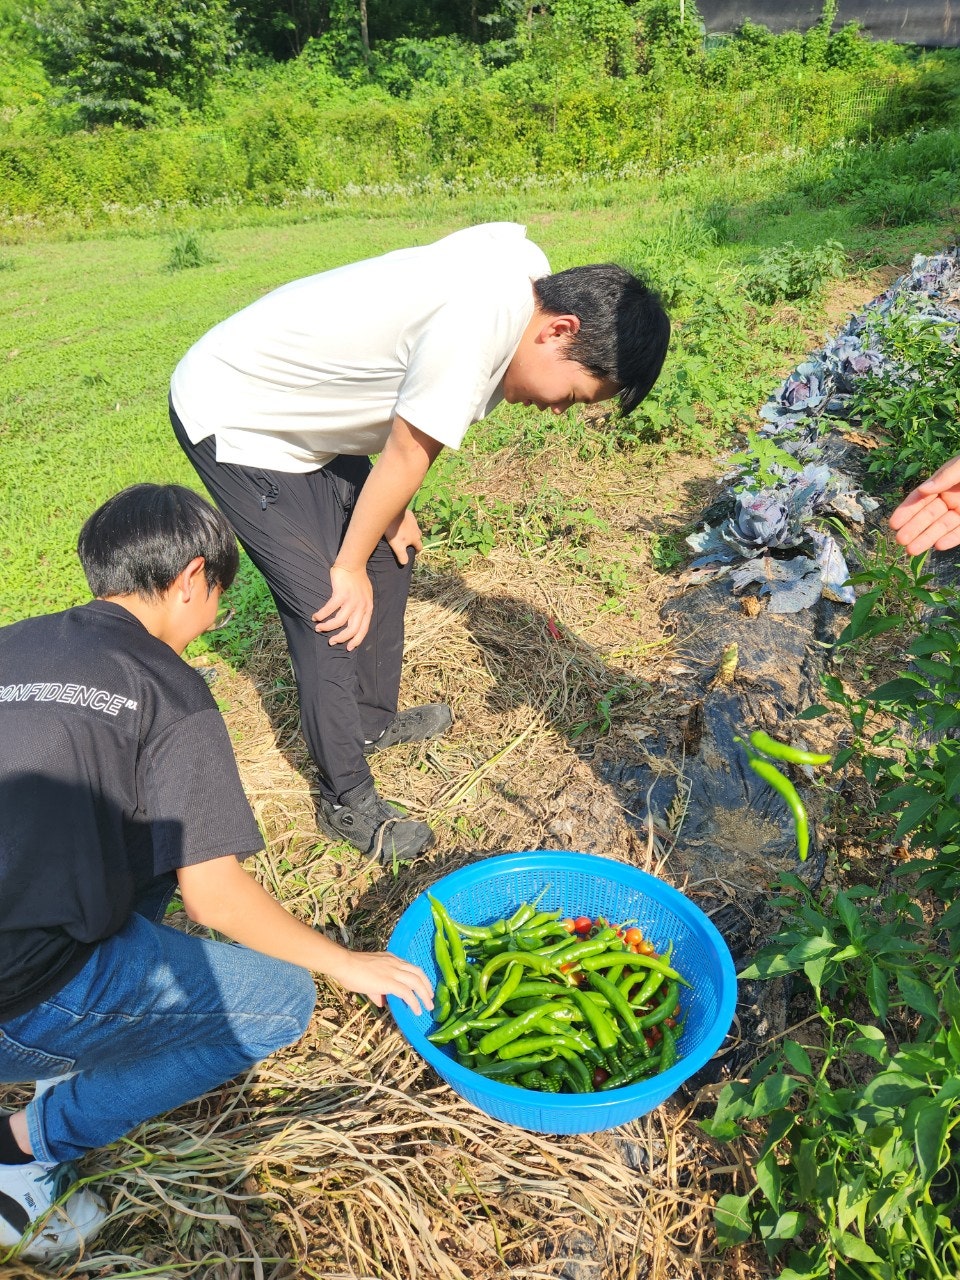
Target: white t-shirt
point(322, 366)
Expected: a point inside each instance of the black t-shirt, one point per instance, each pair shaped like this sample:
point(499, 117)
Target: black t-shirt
point(115, 769)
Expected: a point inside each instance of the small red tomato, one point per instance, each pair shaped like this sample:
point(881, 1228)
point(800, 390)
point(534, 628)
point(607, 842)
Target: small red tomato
point(656, 1034)
point(583, 924)
point(633, 937)
point(569, 925)
point(646, 949)
point(670, 1022)
point(565, 968)
point(599, 1075)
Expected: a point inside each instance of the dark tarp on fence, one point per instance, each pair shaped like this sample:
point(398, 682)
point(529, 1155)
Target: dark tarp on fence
point(934, 23)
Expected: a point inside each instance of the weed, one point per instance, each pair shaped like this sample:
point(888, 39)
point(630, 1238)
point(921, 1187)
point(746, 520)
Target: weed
point(763, 461)
point(601, 722)
point(187, 251)
point(667, 552)
point(788, 272)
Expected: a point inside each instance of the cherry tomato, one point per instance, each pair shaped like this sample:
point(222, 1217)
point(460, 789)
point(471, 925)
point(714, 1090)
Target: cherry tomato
point(599, 1075)
point(582, 924)
point(569, 925)
point(646, 949)
point(633, 936)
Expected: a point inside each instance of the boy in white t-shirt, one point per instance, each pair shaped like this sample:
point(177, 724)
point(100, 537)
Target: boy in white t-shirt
point(280, 406)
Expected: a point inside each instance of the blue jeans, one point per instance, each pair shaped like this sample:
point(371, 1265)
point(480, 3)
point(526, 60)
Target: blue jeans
point(154, 1019)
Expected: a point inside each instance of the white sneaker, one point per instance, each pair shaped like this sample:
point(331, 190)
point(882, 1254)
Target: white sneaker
point(37, 1213)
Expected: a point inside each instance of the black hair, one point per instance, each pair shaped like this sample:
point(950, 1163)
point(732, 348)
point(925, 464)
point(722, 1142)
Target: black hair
point(142, 538)
point(624, 329)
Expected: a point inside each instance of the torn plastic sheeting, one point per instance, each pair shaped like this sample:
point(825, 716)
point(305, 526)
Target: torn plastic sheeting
point(792, 584)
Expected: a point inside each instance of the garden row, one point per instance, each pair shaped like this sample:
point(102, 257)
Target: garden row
point(847, 1129)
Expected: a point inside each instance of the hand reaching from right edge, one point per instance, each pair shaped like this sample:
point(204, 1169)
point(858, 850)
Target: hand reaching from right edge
point(930, 515)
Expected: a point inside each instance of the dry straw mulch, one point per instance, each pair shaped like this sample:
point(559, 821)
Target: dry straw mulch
point(345, 1157)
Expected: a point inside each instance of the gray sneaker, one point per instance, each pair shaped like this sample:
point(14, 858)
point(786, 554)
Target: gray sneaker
point(373, 826)
point(416, 724)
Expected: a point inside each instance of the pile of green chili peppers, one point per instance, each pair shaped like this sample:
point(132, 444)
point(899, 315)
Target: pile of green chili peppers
point(524, 1002)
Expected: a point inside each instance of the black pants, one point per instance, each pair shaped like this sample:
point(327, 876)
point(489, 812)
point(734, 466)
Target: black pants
point(291, 525)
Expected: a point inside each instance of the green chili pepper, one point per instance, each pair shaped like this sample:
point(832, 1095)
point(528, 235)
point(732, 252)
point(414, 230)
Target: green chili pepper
point(441, 1003)
point(669, 1054)
point(651, 983)
point(511, 1030)
point(525, 912)
point(761, 741)
point(576, 947)
point(785, 789)
point(441, 951)
point(442, 918)
point(633, 961)
point(451, 1028)
point(604, 1031)
point(576, 1067)
point(619, 1004)
point(630, 1074)
point(663, 1010)
point(530, 959)
point(575, 1073)
point(502, 1068)
point(505, 990)
point(536, 1043)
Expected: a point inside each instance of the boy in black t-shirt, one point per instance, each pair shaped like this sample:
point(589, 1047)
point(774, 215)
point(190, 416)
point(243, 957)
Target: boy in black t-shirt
point(117, 785)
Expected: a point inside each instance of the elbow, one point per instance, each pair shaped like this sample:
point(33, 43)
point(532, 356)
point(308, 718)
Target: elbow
point(201, 910)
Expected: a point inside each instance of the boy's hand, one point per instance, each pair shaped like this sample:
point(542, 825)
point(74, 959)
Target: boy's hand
point(402, 533)
point(930, 515)
point(379, 974)
point(350, 607)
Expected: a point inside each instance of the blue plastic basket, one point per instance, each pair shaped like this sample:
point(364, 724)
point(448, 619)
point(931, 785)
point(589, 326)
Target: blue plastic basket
point(579, 884)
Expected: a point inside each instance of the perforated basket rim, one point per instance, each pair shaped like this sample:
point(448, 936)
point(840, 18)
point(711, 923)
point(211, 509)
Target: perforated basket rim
point(657, 1088)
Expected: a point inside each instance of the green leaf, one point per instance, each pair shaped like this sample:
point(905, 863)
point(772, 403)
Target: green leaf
point(878, 991)
point(850, 1246)
point(769, 1178)
point(914, 814)
point(732, 1218)
point(814, 712)
point(810, 949)
point(903, 690)
point(773, 1093)
point(950, 993)
point(930, 1120)
point(798, 1057)
point(849, 914)
point(918, 995)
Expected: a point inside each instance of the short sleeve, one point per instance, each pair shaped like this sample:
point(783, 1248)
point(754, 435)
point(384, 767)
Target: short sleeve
point(458, 356)
point(194, 799)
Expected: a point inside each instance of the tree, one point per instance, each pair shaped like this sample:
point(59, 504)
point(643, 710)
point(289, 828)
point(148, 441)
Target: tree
point(126, 60)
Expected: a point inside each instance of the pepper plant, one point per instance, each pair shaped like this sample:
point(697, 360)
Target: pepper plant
point(850, 1128)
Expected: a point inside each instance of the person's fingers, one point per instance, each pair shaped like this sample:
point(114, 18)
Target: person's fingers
point(910, 507)
point(927, 526)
